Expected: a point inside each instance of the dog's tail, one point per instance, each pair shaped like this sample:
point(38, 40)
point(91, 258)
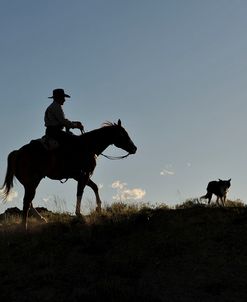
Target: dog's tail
point(207, 196)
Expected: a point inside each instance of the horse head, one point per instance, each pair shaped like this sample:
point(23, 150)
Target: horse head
point(122, 140)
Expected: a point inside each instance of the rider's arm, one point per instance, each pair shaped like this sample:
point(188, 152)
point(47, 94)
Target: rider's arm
point(60, 116)
point(54, 116)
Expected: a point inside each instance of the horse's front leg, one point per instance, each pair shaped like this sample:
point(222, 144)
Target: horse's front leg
point(81, 183)
point(94, 187)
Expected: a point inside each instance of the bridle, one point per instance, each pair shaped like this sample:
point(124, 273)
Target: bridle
point(109, 156)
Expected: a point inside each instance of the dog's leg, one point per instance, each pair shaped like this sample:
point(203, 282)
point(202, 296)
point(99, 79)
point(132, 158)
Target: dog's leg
point(223, 200)
point(209, 196)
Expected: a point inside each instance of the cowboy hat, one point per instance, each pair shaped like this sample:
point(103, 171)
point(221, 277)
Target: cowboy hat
point(59, 92)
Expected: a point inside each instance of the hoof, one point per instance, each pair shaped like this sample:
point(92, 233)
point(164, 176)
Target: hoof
point(98, 209)
point(79, 219)
point(79, 215)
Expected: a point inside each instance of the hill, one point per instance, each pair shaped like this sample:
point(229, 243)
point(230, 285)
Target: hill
point(187, 254)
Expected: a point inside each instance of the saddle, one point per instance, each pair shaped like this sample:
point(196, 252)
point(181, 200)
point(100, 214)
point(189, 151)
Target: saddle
point(47, 142)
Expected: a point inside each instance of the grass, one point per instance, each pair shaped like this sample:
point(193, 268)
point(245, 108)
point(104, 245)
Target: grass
point(128, 253)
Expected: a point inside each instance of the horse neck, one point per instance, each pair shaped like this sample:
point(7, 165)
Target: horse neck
point(98, 140)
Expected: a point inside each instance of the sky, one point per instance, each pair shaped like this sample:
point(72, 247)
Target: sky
point(173, 71)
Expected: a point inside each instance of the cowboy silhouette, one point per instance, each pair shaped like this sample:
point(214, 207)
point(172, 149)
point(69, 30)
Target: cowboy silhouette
point(55, 120)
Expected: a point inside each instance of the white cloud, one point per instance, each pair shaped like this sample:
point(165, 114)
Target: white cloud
point(118, 185)
point(167, 172)
point(48, 199)
point(55, 203)
point(127, 194)
point(123, 193)
point(12, 195)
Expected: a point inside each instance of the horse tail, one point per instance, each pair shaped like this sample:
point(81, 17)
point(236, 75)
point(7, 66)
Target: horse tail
point(10, 174)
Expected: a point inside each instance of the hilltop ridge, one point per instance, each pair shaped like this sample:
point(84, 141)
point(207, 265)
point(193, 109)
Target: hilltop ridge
point(186, 254)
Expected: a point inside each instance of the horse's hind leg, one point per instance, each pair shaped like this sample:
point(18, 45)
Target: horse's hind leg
point(27, 202)
point(94, 187)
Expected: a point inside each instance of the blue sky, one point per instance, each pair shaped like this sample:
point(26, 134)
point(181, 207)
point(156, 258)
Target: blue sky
point(175, 72)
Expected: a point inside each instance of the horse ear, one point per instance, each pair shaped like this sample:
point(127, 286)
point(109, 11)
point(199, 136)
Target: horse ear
point(119, 123)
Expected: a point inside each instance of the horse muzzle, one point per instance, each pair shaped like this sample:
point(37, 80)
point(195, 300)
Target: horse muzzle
point(132, 150)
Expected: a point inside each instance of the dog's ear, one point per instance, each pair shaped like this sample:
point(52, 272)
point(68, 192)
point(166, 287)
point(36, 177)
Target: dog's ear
point(229, 179)
point(219, 179)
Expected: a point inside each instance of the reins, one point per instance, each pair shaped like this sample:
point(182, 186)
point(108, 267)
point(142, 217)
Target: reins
point(114, 157)
point(106, 156)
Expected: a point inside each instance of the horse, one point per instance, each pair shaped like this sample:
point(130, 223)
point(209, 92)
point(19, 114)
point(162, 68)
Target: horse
point(31, 163)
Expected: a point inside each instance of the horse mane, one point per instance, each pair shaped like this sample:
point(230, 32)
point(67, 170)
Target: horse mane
point(103, 125)
point(108, 124)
